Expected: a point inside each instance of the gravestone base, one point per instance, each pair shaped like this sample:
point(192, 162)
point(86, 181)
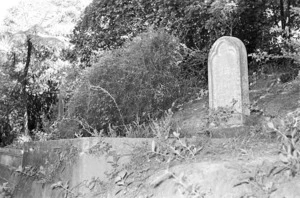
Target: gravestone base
point(229, 132)
point(235, 121)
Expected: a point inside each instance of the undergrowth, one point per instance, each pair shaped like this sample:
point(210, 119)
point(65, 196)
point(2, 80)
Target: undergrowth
point(5, 190)
point(266, 178)
point(130, 179)
point(139, 177)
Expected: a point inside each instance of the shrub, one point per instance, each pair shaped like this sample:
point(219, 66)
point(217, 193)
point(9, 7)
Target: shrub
point(142, 79)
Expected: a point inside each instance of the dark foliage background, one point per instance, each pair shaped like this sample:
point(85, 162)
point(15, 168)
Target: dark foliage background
point(128, 61)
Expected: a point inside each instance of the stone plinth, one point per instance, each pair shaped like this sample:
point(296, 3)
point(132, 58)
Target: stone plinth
point(228, 77)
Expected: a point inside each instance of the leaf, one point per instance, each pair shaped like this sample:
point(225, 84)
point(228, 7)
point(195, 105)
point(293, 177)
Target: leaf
point(184, 143)
point(283, 158)
point(160, 179)
point(118, 191)
point(19, 169)
point(42, 170)
point(176, 134)
point(176, 151)
point(57, 184)
point(66, 186)
point(270, 125)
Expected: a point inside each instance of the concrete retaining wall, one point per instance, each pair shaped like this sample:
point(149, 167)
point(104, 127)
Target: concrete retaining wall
point(10, 159)
point(74, 163)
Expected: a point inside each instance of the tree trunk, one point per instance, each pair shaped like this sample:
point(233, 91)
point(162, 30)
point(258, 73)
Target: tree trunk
point(288, 18)
point(60, 105)
point(282, 15)
point(24, 84)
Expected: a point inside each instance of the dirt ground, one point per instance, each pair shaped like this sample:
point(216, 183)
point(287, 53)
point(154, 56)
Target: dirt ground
point(255, 162)
point(225, 168)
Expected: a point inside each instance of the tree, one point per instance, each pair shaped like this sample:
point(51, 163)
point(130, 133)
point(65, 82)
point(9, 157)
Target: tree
point(34, 58)
point(276, 42)
point(30, 48)
point(107, 24)
point(198, 24)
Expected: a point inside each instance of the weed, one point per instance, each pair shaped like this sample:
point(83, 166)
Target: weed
point(100, 149)
point(175, 149)
point(64, 187)
point(162, 128)
point(187, 188)
point(260, 180)
point(165, 148)
point(64, 157)
point(182, 184)
point(221, 116)
point(130, 179)
point(5, 190)
point(266, 178)
point(289, 131)
point(86, 128)
point(137, 129)
point(29, 171)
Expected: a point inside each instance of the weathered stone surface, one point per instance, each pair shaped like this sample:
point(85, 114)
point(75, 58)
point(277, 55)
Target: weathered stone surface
point(11, 157)
point(84, 160)
point(228, 77)
point(10, 160)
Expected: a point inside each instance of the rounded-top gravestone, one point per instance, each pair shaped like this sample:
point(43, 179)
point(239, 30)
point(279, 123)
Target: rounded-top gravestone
point(228, 77)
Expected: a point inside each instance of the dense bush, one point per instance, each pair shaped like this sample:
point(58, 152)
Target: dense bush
point(139, 81)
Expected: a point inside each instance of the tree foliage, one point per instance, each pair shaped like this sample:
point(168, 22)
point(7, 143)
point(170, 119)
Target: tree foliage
point(108, 24)
point(56, 17)
point(129, 59)
point(33, 63)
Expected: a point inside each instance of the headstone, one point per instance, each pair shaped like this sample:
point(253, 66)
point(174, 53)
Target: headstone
point(228, 77)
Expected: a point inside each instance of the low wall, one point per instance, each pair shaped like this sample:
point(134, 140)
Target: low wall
point(82, 168)
point(10, 159)
point(71, 164)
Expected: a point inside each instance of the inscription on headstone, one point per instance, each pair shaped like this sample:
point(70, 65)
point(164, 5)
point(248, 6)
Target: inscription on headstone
point(228, 76)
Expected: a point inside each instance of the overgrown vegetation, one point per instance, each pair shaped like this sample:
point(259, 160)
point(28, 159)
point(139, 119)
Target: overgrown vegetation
point(123, 70)
point(5, 190)
point(134, 178)
point(33, 63)
point(137, 82)
point(145, 159)
point(115, 74)
point(164, 152)
point(267, 178)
